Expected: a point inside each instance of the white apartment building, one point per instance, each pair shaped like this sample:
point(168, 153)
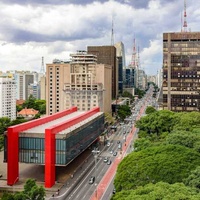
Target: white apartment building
point(7, 98)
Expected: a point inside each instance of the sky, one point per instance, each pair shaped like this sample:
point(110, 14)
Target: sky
point(53, 29)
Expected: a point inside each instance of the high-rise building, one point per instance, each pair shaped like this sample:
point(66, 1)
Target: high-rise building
point(107, 55)
point(129, 77)
point(23, 79)
point(120, 52)
point(7, 98)
point(56, 75)
point(42, 84)
point(181, 71)
point(82, 83)
point(34, 90)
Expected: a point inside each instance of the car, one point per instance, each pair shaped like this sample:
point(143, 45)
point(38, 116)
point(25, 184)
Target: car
point(119, 146)
point(108, 144)
point(105, 159)
point(115, 153)
point(118, 142)
point(114, 191)
point(109, 162)
point(111, 151)
point(91, 180)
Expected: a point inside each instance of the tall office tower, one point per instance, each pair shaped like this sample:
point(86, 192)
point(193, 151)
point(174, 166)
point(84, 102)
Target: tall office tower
point(107, 55)
point(82, 83)
point(120, 75)
point(34, 90)
point(181, 71)
point(121, 65)
point(129, 77)
point(7, 98)
point(23, 79)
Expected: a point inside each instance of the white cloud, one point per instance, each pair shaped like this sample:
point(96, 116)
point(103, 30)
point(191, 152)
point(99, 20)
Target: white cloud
point(30, 31)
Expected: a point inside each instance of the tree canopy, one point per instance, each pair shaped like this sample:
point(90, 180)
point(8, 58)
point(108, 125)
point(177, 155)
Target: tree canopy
point(156, 123)
point(193, 180)
point(123, 111)
point(184, 138)
point(167, 163)
point(160, 190)
point(31, 191)
point(150, 109)
point(167, 151)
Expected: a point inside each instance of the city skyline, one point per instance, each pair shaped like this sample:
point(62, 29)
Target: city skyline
point(31, 29)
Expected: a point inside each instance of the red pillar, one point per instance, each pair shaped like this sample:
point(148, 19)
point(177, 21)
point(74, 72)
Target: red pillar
point(50, 158)
point(12, 156)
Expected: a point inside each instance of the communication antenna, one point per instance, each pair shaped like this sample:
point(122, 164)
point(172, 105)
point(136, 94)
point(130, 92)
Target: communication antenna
point(134, 59)
point(185, 18)
point(112, 34)
point(42, 71)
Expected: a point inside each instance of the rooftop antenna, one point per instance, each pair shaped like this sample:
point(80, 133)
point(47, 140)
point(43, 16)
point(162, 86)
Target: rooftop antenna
point(138, 57)
point(185, 17)
point(133, 60)
point(42, 71)
point(112, 34)
point(181, 23)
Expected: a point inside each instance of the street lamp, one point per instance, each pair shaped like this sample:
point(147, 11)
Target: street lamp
point(95, 153)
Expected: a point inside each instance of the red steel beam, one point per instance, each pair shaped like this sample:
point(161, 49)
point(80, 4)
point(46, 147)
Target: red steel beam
point(50, 145)
point(13, 142)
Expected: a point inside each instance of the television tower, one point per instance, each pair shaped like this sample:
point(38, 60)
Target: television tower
point(112, 34)
point(185, 18)
point(42, 71)
point(134, 56)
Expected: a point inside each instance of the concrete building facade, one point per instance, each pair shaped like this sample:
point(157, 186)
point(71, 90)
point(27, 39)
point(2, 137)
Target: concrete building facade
point(82, 83)
point(181, 71)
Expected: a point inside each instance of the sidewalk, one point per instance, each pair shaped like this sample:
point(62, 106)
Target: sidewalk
point(26, 171)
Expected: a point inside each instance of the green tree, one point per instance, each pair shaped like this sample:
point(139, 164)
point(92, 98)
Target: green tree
point(142, 143)
point(193, 180)
point(158, 191)
point(41, 106)
point(187, 121)
point(30, 102)
point(4, 123)
point(31, 192)
point(123, 111)
point(157, 123)
point(184, 138)
point(167, 163)
point(129, 95)
point(19, 108)
point(150, 109)
point(139, 92)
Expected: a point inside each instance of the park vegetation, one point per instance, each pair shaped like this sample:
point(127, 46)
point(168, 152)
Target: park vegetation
point(165, 163)
point(31, 191)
